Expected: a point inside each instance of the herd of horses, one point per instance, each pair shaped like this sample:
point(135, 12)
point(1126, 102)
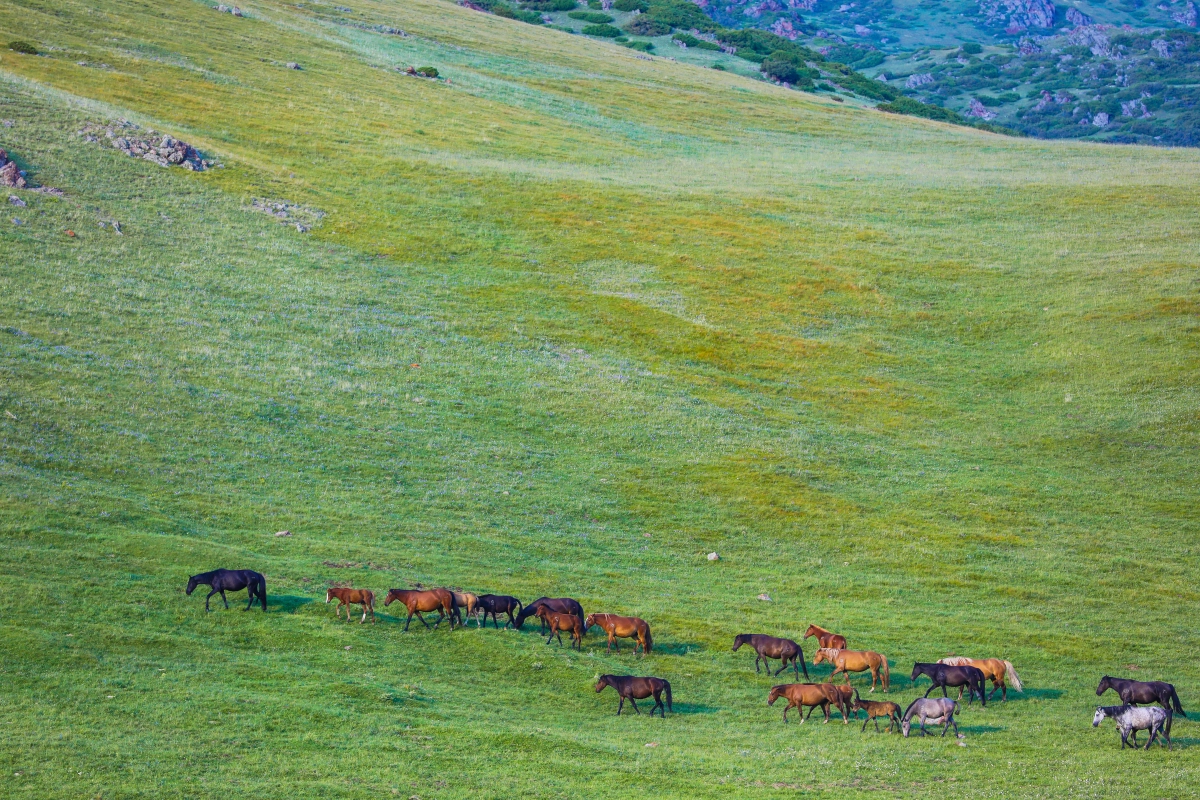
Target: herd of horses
point(1146, 705)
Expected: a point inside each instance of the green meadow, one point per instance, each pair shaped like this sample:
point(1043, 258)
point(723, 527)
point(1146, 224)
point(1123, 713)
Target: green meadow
point(572, 320)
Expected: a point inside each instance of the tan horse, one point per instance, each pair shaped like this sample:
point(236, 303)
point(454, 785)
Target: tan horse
point(625, 627)
point(467, 601)
point(847, 661)
point(996, 669)
point(348, 597)
point(800, 695)
point(826, 638)
point(416, 601)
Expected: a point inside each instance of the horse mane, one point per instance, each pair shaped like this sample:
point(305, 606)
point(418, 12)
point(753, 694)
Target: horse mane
point(956, 661)
point(833, 651)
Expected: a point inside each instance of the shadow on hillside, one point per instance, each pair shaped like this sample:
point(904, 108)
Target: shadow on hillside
point(978, 729)
point(693, 708)
point(288, 603)
point(675, 648)
point(1031, 694)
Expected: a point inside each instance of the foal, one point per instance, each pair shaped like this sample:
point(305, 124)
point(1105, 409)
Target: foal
point(826, 638)
point(875, 710)
point(347, 597)
point(631, 688)
point(559, 622)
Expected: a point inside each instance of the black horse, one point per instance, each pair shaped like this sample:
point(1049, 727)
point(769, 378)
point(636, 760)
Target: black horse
point(231, 580)
point(772, 647)
point(1135, 692)
point(944, 675)
point(499, 604)
point(562, 605)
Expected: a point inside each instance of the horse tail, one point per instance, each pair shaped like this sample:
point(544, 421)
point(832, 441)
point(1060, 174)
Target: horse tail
point(262, 591)
point(1011, 673)
point(1177, 707)
point(650, 645)
point(887, 674)
point(667, 686)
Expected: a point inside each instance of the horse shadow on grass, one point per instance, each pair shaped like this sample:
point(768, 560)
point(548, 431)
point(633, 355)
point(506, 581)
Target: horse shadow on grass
point(1030, 694)
point(694, 708)
point(675, 648)
point(288, 603)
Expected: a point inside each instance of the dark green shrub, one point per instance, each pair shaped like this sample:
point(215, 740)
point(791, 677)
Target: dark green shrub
point(719, 66)
point(872, 59)
point(646, 25)
point(606, 31)
point(915, 108)
point(692, 41)
point(549, 5)
point(428, 72)
point(23, 47)
point(645, 47)
point(780, 69)
point(590, 16)
point(631, 5)
point(972, 48)
point(520, 14)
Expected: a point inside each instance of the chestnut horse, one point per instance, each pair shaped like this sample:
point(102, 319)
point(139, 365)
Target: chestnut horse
point(565, 605)
point(876, 709)
point(468, 601)
point(625, 627)
point(771, 647)
point(800, 695)
point(995, 669)
point(347, 597)
point(847, 661)
point(825, 638)
point(631, 688)
point(416, 601)
point(559, 622)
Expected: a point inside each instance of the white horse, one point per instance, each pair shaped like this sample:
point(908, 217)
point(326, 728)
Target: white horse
point(935, 710)
point(1137, 718)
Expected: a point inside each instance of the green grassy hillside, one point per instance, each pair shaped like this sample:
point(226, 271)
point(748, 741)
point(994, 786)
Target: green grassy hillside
point(571, 320)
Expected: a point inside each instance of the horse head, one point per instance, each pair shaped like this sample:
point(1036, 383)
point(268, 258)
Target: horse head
point(393, 594)
point(905, 725)
point(1104, 685)
point(918, 670)
point(193, 582)
point(813, 630)
point(776, 693)
point(740, 640)
point(589, 621)
point(1099, 717)
point(328, 596)
point(602, 681)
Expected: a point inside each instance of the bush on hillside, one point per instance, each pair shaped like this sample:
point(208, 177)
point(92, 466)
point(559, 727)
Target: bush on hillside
point(591, 16)
point(972, 48)
point(915, 108)
point(23, 47)
point(605, 31)
point(692, 41)
point(872, 59)
point(550, 5)
point(646, 25)
point(645, 47)
point(680, 14)
point(631, 5)
point(428, 72)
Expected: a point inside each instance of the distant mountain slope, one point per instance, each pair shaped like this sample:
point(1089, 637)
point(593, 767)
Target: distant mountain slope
point(1121, 71)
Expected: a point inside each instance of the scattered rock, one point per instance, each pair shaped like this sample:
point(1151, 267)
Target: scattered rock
point(713, 557)
point(978, 109)
point(117, 228)
point(1100, 120)
point(766, 598)
point(71, 233)
point(10, 173)
point(1188, 16)
point(16, 221)
point(915, 81)
point(292, 65)
point(1077, 17)
point(651, 744)
point(234, 10)
point(347, 647)
point(16, 201)
point(164, 150)
point(8, 123)
point(302, 218)
point(283, 533)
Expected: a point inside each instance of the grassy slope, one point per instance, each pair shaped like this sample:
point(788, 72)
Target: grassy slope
point(668, 311)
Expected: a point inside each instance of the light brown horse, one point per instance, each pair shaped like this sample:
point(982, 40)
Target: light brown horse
point(468, 601)
point(800, 695)
point(625, 627)
point(558, 622)
point(847, 661)
point(825, 638)
point(416, 601)
point(996, 669)
point(347, 597)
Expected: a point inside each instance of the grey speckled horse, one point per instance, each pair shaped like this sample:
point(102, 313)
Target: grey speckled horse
point(936, 710)
point(1131, 719)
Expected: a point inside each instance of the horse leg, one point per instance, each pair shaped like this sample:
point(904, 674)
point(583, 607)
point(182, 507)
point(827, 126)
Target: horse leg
point(249, 596)
point(825, 708)
point(756, 658)
point(874, 677)
point(658, 703)
point(782, 667)
point(633, 703)
point(364, 616)
point(410, 615)
point(210, 594)
point(810, 710)
point(611, 641)
point(865, 721)
point(930, 689)
point(225, 599)
point(796, 666)
point(620, 705)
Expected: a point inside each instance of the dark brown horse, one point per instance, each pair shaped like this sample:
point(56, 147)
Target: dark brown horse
point(631, 688)
point(771, 647)
point(231, 580)
point(826, 638)
point(559, 622)
point(876, 709)
point(562, 604)
point(944, 675)
point(626, 627)
point(417, 600)
point(812, 695)
point(1142, 692)
point(347, 597)
point(498, 604)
